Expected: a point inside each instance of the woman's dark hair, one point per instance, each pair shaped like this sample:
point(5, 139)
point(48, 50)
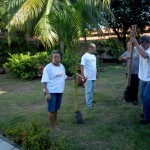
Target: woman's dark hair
point(144, 39)
point(56, 51)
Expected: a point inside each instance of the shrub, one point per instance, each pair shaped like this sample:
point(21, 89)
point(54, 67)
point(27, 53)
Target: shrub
point(17, 46)
point(116, 47)
point(29, 67)
point(33, 137)
point(25, 66)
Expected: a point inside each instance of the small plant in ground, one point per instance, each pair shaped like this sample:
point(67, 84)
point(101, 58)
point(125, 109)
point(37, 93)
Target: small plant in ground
point(33, 137)
point(16, 134)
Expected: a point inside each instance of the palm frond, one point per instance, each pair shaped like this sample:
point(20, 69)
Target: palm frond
point(15, 3)
point(45, 32)
point(29, 9)
point(67, 22)
point(95, 10)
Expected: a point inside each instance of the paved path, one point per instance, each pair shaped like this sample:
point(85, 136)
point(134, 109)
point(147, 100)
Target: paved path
point(6, 144)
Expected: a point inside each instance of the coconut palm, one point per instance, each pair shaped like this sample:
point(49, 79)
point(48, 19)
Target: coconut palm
point(42, 17)
point(54, 21)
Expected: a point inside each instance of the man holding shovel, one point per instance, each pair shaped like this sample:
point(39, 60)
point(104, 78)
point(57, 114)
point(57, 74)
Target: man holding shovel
point(143, 48)
point(89, 73)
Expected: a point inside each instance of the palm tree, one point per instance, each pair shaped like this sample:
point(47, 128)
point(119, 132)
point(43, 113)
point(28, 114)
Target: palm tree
point(54, 21)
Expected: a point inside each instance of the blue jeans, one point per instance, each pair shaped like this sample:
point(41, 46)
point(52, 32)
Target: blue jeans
point(145, 97)
point(55, 103)
point(89, 92)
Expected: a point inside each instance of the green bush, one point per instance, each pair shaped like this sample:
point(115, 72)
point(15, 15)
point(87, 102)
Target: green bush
point(18, 46)
point(29, 67)
point(116, 47)
point(25, 66)
point(33, 137)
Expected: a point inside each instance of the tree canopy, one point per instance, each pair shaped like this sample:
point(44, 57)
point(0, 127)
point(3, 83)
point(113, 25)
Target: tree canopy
point(127, 13)
point(54, 21)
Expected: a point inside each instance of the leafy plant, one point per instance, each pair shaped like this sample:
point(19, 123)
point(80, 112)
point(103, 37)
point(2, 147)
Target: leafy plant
point(127, 13)
point(16, 134)
point(115, 45)
point(17, 46)
point(25, 66)
point(32, 136)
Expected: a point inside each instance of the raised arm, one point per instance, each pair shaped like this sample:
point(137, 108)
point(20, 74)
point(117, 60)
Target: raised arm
point(139, 47)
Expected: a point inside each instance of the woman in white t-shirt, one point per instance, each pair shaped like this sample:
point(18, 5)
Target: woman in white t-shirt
point(53, 80)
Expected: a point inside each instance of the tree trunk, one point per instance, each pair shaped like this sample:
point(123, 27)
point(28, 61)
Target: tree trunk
point(122, 39)
point(62, 47)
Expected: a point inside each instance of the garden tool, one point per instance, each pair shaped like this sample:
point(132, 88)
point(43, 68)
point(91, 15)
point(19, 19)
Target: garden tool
point(78, 114)
point(126, 95)
point(82, 80)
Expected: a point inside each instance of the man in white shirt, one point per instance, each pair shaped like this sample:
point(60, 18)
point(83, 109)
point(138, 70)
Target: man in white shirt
point(53, 80)
point(144, 74)
point(89, 72)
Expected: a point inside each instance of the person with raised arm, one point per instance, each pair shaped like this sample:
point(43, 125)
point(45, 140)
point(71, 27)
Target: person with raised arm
point(143, 48)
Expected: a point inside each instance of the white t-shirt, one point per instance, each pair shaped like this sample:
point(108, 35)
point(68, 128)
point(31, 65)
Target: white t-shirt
point(89, 62)
point(144, 67)
point(135, 60)
point(54, 76)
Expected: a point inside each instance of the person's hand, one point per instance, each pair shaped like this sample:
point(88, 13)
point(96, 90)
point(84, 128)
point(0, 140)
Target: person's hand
point(125, 57)
point(128, 44)
point(83, 80)
point(48, 96)
point(133, 40)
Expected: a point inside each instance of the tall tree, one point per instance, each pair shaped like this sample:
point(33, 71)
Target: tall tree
point(93, 14)
point(127, 13)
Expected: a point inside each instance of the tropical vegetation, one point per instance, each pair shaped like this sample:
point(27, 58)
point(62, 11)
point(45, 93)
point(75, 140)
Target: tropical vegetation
point(127, 13)
point(27, 66)
point(55, 21)
point(112, 124)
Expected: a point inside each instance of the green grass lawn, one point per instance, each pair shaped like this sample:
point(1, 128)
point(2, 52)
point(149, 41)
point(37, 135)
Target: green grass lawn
point(111, 125)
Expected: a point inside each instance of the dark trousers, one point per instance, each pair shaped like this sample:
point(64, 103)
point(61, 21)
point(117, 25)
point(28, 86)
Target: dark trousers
point(134, 87)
